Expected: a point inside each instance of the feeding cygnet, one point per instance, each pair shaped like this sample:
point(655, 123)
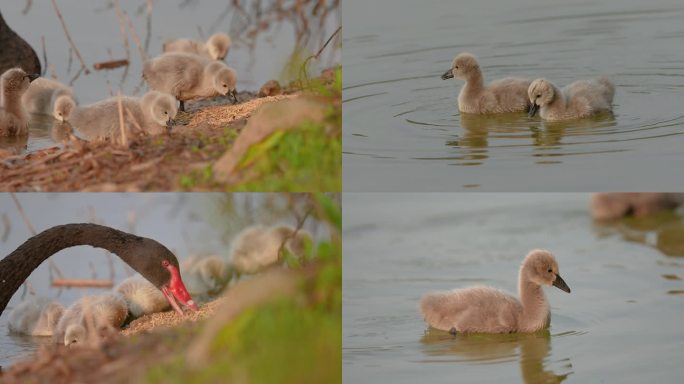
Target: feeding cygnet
point(216, 48)
point(35, 316)
point(141, 296)
point(49, 97)
point(205, 276)
point(90, 318)
point(503, 95)
point(188, 77)
point(489, 310)
point(154, 113)
point(257, 247)
point(610, 206)
point(583, 98)
point(13, 116)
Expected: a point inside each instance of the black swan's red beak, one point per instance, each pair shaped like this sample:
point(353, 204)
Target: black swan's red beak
point(175, 290)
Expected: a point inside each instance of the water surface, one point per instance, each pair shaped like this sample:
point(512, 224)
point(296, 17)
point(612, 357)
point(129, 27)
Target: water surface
point(621, 323)
point(403, 131)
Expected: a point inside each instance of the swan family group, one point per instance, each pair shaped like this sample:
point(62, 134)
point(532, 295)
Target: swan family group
point(186, 70)
point(580, 99)
point(93, 318)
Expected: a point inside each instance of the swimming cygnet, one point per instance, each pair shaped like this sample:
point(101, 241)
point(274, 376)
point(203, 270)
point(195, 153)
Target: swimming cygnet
point(49, 97)
point(13, 116)
point(35, 316)
point(188, 77)
point(205, 276)
point(610, 206)
point(257, 247)
point(90, 318)
point(141, 296)
point(216, 48)
point(489, 310)
point(154, 113)
point(582, 98)
point(503, 95)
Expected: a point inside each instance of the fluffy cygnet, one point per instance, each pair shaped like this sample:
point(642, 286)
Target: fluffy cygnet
point(49, 97)
point(90, 318)
point(205, 276)
point(154, 113)
point(503, 95)
point(257, 247)
point(188, 77)
point(583, 98)
point(35, 316)
point(610, 206)
point(489, 310)
point(141, 296)
point(14, 118)
point(216, 48)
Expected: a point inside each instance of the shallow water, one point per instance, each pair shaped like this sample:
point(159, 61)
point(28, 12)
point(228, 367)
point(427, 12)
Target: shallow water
point(176, 220)
point(621, 323)
point(403, 131)
point(94, 27)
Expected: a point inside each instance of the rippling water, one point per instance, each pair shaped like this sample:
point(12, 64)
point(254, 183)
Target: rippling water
point(621, 323)
point(403, 131)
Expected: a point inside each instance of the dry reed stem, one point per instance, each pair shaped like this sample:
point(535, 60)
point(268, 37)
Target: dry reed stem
point(83, 283)
point(124, 137)
point(71, 42)
point(135, 37)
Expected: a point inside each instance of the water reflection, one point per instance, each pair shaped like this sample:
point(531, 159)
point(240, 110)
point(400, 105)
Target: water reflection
point(663, 231)
point(530, 349)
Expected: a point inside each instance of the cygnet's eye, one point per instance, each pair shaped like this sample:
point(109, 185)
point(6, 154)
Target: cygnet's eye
point(166, 113)
point(456, 67)
point(538, 96)
point(225, 85)
point(550, 270)
point(60, 113)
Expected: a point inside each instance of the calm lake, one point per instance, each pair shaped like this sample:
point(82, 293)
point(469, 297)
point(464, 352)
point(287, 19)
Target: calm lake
point(403, 131)
point(94, 27)
point(621, 323)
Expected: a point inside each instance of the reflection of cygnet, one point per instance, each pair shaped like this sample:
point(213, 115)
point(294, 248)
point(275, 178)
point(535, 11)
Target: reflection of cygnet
point(13, 116)
point(489, 310)
point(154, 113)
point(582, 98)
point(205, 276)
point(49, 97)
point(257, 247)
point(502, 95)
point(216, 48)
point(35, 316)
point(610, 206)
point(141, 296)
point(188, 77)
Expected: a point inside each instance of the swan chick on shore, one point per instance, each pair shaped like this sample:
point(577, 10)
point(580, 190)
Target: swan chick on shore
point(216, 47)
point(489, 310)
point(503, 95)
point(49, 97)
point(14, 118)
point(580, 99)
point(189, 77)
point(35, 316)
point(205, 276)
point(256, 247)
point(154, 113)
point(141, 296)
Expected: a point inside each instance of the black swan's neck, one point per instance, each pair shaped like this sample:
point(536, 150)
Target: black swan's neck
point(18, 265)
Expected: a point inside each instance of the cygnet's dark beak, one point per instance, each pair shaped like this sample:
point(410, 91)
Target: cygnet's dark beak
point(169, 124)
point(448, 75)
point(233, 94)
point(533, 111)
point(560, 284)
point(32, 76)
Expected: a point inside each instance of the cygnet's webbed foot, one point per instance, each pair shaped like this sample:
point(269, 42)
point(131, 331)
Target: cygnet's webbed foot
point(182, 106)
point(452, 330)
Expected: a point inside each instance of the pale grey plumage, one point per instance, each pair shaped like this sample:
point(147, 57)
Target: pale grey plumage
point(205, 277)
point(257, 247)
point(153, 113)
point(489, 310)
point(188, 77)
point(610, 206)
point(89, 318)
point(49, 97)
point(583, 98)
point(141, 296)
point(216, 47)
point(35, 316)
point(14, 118)
point(503, 95)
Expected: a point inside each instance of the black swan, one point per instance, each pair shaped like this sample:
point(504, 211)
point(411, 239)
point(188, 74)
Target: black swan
point(151, 259)
point(15, 51)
